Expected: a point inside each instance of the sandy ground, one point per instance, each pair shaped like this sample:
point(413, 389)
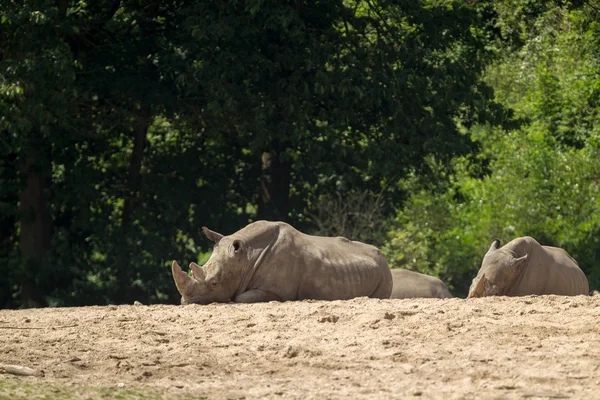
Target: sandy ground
point(492, 348)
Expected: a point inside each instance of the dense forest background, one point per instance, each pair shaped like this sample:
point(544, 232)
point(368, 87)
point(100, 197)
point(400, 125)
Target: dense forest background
point(425, 127)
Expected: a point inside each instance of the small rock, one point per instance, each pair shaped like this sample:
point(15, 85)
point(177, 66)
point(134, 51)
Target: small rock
point(506, 387)
point(329, 318)
point(137, 303)
point(120, 384)
point(149, 364)
point(417, 393)
point(546, 394)
point(291, 352)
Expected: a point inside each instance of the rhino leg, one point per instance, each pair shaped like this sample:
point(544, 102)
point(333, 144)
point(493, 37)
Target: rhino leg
point(256, 296)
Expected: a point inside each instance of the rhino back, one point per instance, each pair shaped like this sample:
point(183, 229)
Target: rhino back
point(442, 291)
point(411, 284)
point(550, 270)
point(302, 266)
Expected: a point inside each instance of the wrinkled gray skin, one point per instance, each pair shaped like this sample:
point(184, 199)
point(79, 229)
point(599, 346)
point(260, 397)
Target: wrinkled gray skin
point(523, 267)
point(411, 284)
point(273, 261)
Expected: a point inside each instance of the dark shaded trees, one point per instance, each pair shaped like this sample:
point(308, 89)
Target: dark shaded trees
point(338, 95)
point(128, 125)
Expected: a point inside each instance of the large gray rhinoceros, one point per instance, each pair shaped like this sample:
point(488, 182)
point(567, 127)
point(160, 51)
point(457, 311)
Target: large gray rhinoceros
point(273, 261)
point(411, 284)
point(524, 267)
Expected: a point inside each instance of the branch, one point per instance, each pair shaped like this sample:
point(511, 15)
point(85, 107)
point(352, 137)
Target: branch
point(19, 370)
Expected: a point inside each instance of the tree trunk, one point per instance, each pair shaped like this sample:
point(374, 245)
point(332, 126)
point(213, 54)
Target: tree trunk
point(9, 198)
point(274, 195)
point(135, 163)
point(62, 5)
point(35, 229)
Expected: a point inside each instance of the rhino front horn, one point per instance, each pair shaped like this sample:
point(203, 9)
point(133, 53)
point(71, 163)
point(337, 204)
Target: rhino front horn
point(477, 288)
point(182, 280)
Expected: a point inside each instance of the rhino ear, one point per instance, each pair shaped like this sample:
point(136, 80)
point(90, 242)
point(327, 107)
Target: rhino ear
point(182, 280)
point(214, 236)
point(236, 247)
point(495, 245)
point(518, 261)
point(197, 272)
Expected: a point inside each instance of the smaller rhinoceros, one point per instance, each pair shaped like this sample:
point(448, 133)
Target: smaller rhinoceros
point(524, 267)
point(411, 284)
point(268, 260)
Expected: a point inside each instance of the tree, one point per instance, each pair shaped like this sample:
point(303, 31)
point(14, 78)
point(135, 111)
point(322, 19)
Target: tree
point(543, 179)
point(363, 90)
point(133, 124)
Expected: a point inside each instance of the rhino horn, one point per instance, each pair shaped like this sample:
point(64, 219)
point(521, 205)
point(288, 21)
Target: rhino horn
point(214, 236)
point(182, 280)
point(478, 290)
point(197, 272)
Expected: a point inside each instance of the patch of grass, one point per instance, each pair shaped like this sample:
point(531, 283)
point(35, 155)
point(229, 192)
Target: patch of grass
point(24, 388)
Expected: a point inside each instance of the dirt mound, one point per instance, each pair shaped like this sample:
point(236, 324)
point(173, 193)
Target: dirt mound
point(536, 347)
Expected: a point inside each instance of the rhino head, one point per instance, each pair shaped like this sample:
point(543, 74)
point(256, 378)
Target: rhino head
point(499, 270)
point(219, 278)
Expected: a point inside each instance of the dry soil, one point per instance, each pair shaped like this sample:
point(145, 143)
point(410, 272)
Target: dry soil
point(491, 348)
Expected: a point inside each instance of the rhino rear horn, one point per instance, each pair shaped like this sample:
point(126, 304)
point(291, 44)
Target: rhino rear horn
point(182, 280)
point(214, 236)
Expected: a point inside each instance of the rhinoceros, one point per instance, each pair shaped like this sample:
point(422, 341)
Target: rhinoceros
point(524, 267)
point(411, 284)
point(269, 260)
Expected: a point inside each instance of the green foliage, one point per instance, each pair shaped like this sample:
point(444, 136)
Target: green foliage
point(544, 176)
point(22, 389)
